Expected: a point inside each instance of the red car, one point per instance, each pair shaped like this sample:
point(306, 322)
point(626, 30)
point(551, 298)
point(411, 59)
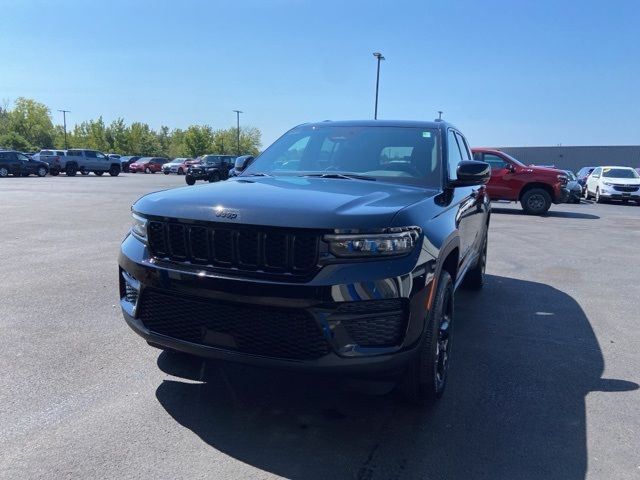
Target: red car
point(536, 188)
point(148, 165)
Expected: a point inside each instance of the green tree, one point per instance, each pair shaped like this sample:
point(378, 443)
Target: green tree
point(14, 141)
point(226, 141)
point(177, 147)
point(198, 140)
point(32, 121)
point(142, 140)
point(117, 136)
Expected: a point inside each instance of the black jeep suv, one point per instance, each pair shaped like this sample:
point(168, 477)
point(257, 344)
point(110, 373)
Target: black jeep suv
point(212, 168)
point(337, 250)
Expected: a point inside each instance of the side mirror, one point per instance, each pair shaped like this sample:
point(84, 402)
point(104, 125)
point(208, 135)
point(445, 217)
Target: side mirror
point(242, 162)
point(510, 167)
point(470, 173)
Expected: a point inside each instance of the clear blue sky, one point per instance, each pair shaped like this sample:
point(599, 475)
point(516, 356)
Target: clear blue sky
point(507, 72)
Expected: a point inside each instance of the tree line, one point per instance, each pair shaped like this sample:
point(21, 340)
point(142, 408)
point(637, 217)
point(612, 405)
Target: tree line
point(28, 127)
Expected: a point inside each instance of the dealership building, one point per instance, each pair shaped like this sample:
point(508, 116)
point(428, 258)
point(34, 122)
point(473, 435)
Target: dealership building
point(574, 158)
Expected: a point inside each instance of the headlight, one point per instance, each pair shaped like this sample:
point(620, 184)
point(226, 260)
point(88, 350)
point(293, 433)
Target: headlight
point(563, 179)
point(397, 241)
point(139, 227)
point(608, 184)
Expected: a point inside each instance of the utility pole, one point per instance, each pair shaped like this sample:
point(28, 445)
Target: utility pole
point(379, 56)
point(64, 120)
point(238, 112)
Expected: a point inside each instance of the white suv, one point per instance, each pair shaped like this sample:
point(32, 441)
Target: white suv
point(613, 183)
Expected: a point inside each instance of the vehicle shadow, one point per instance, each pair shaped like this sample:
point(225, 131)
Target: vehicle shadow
point(550, 213)
point(525, 357)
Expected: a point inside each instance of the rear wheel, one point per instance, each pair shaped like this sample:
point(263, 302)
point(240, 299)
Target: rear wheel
point(425, 379)
point(84, 172)
point(190, 180)
point(474, 279)
point(114, 171)
point(214, 177)
point(147, 170)
point(42, 171)
point(535, 201)
point(55, 172)
point(71, 170)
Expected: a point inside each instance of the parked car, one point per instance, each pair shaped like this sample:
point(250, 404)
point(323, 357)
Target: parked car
point(613, 183)
point(52, 158)
point(19, 165)
point(212, 168)
point(240, 164)
point(148, 165)
point(126, 161)
point(177, 165)
point(346, 265)
point(575, 189)
point(582, 175)
point(536, 188)
point(85, 161)
point(114, 156)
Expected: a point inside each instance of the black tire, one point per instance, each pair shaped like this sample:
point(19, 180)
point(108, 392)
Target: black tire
point(214, 177)
point(84, 172)
point(535, 201)
point(71, 170)
point(586, 193)
point(99, 173)
point(190, 180)
point(180, 171)
point(166, 172)
point(54, 173)
point(147, 170)
point(599, 199)
point(42, 172)
point(4, 172)
point(425, 379)
point(114, 171)
point(474, 278)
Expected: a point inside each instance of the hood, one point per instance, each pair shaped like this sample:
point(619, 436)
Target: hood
point(320, 203)
point(621, 181)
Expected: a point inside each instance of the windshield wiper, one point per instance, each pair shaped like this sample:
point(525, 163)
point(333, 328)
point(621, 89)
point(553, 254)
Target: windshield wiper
point(348, 176)
point(257, 174)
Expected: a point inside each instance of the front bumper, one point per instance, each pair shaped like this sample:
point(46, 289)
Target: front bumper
point(562, 195)
point(322, 299)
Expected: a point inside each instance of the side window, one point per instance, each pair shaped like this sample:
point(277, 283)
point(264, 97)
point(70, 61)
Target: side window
point(596, 173)
point(453, 154)
point(72, 153)
point(99, 155)
point(464, 148)
point(90, 154)
point(496, 162)
point(22, 158)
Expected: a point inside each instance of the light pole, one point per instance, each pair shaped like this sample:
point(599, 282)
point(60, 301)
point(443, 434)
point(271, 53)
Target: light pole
point(238, 112)
point(64, 120)
point(379, 56)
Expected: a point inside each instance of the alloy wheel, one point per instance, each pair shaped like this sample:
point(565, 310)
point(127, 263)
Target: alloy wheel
point(443, 344)
point(536, 202)
point(4, 172)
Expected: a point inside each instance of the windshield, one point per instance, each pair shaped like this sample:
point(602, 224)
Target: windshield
point(515, 160)
point(570, 175)
point(143, 160)
point(407, 155)
point(620, 173)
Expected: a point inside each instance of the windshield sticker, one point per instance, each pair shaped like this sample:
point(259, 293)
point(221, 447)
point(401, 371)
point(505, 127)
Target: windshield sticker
point(426, 134)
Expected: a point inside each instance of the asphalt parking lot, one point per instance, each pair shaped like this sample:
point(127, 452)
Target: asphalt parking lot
point(543, 383)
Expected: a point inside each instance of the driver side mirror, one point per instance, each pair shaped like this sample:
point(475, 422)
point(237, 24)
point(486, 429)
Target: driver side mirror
point(509, 167)
point(243, 162)
point(471, 173)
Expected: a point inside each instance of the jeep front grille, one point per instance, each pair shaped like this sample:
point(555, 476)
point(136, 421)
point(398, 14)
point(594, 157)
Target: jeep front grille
point(250, 249)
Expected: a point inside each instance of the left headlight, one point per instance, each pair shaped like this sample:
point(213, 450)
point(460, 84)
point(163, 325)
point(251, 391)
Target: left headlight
point(139, 227)
point(397, 241)
point(608, 184)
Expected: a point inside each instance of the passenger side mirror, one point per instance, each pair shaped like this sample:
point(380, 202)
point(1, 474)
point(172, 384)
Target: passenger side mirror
point(243, 162)
point(470, 173)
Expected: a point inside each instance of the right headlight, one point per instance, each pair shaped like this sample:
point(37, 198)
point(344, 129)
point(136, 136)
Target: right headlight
point(139, 227)
point(397, 241)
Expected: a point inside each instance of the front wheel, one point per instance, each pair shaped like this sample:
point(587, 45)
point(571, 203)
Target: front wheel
point(190, 180)
point(114, 171)
point(42, 172)
point(99, 173)
point(55, 172)
point(536, 201)
point(71, 171)
point(166, 172)
point(214, 177)
point(147, 170)
point(425, 379)
point(599, 199)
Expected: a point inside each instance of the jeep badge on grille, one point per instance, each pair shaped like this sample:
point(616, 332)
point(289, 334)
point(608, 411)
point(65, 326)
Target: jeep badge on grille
point(227, 213)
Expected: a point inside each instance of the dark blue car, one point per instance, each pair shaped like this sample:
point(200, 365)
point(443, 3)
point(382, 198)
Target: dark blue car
point(337, 250)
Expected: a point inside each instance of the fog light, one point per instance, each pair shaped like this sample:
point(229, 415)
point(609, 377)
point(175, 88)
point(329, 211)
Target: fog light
point(131, 289)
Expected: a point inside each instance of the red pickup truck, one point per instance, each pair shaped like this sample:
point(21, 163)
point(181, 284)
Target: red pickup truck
point(536, 188)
